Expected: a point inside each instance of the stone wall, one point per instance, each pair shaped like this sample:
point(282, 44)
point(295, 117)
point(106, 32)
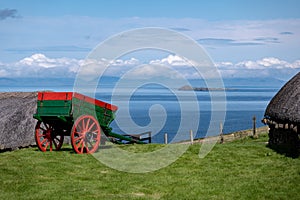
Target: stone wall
point(284, 140)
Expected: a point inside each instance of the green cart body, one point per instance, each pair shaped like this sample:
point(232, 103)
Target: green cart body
point(83, 118)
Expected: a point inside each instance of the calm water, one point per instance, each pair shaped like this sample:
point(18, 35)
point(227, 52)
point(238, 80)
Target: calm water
point(168, 110)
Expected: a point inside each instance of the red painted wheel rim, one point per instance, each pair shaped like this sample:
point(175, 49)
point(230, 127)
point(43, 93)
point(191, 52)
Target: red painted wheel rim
point(45, 137)
point(85, 134)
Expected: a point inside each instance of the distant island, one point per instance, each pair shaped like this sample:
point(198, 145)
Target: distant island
point(190, 88)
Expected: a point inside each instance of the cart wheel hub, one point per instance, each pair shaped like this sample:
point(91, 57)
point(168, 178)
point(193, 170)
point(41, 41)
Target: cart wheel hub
point(48, 134)
point(88, 136)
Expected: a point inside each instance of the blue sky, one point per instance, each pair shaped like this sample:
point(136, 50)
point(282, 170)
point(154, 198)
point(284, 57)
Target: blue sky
point(238, 35)
point(210, 10)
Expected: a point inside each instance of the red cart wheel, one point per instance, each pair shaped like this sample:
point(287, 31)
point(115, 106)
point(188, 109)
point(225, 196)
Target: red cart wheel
point(85, 134)
point(45, 137)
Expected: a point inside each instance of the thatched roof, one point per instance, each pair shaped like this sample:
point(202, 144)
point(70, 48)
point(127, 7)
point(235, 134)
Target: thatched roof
point(16, 121)
point(285, 105)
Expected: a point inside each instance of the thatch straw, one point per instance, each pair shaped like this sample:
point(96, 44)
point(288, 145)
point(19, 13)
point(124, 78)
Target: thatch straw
point(16, 121)
point(285, 105)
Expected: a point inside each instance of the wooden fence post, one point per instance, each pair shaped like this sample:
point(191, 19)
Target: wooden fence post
point(254, 126)
point(221, 133)
point(191, 136)
point(166, 138)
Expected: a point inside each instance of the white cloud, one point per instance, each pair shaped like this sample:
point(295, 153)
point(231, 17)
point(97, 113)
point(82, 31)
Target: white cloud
point(38, 65)
point(226, 64)
point(171, 60)
point(41, 65)
point(120, 62)
point(249, 65)
point(265, 67)
point(276, 63)
point(149, 71)
point(40, 60)
point(270, 62)
point(172, 66)
point(296, 64)
point(3, 73)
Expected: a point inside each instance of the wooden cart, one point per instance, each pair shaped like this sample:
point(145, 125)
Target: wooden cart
point(86, 120)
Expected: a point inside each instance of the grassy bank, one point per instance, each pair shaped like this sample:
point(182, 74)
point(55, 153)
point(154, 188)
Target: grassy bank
point(242, 169)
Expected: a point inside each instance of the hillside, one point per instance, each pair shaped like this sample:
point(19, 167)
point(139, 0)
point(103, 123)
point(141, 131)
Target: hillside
point(243, 169)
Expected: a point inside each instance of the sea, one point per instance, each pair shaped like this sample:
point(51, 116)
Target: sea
point(162, 110)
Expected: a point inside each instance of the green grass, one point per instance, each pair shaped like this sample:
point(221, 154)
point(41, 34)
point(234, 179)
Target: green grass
point(243, 169)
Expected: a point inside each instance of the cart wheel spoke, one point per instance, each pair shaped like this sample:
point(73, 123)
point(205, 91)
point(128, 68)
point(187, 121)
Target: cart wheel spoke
point(79, 127)
point(83, 125)
point(55, 144)
point(46, 125)
point(79, 138)
point(51, 145)
point(79, 144)
point(44, 141)
point(46, 145)
point(79, 133)
point(82, 138)
point(89, 142)
point(87, 124)
point(41, 135)
point(89, 129)
point(82, 148)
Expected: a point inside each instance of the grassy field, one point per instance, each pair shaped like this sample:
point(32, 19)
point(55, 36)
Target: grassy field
point(243, 169)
